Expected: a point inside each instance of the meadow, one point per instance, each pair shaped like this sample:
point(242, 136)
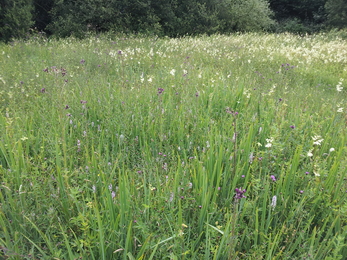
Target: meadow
point(210, 147)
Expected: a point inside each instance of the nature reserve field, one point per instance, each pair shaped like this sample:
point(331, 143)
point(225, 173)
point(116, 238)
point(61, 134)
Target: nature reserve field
point(219, 147)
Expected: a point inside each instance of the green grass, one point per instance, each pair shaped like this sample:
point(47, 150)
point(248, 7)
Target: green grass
point(124, 147)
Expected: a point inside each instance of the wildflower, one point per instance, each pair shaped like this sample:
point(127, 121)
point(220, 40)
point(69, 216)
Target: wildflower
point(292, 126)
point(340, 110)
point(239, 193)
point(171, 197)
point(83, 102)
point(309, 153)
point(269, 142)
point(234, 138)
point(172, 72)
point(331, 149)
point(160, 91)
point(317, 139)
point(307, 173)
point(78, 145)
point(82, 61)
point(339, 88)
point(273, 177)
point(301, 191)
point(43, 90)
point(274, 202)
point(251, 157)
point(113, 194)
point(316, 174)
point(94, 189)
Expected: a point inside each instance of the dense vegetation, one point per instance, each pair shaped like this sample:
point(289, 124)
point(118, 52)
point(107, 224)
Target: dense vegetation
point(167, 18)
point(221, 147)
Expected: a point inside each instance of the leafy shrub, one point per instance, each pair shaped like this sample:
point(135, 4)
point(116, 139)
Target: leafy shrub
point(16, 18)
point(336, 13)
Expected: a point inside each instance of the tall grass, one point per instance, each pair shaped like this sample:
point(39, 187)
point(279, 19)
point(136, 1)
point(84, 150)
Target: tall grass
point(130, 147)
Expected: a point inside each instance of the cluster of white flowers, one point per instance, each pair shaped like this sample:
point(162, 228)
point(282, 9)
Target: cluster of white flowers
point(339, 87)
point(274, 202)
point(340, 110)
point(317, 140)
point(309, 153)
point(269, 142)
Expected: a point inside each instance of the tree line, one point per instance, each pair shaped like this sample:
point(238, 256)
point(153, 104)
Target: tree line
point(171, 18)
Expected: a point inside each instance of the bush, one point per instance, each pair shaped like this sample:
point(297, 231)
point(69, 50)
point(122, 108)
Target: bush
point(336, 13)
point(172, 18)
point(16, 18)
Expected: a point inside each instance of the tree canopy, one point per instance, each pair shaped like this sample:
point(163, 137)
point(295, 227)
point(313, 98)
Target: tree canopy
point(167, 17)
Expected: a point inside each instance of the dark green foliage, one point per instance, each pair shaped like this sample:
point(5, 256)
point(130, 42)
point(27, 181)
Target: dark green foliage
point(336, 13)
point(299, 16)
point(16, 18)
point(63, 18)
point(80, 16)
point(42, 13)
point(172, 18)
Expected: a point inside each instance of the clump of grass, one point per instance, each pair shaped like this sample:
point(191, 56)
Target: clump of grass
point(133, 148)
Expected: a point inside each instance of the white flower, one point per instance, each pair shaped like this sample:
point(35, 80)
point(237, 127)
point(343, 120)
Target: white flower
point(340, 110)
point(338, 86)
point(269, 142)
point(149, 80)
point(172, 72)
point(274, 202)
point(317, 139)
point(331, 150)
point(316, 174)
point(309, 153)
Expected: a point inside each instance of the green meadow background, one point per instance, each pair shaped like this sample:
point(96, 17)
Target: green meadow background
point(130, 147)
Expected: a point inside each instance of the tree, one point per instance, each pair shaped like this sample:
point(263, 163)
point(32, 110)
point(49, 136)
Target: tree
point(245, 15)
point(299, 15)
point(16, 18)
point(162, 17)
point(42, 13)
point(336, 13)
